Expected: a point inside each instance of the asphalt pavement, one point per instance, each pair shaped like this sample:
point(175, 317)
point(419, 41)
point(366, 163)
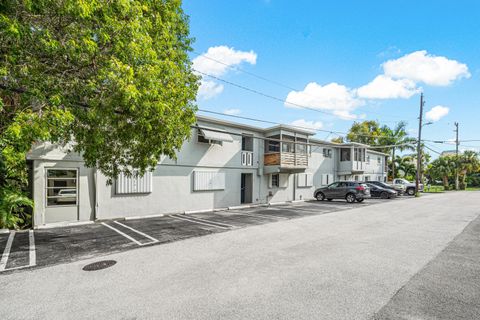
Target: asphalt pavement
point(349, 264)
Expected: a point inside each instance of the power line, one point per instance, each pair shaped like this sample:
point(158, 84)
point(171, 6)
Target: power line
point(273, 97)
point(267, 80)
point(339, 133)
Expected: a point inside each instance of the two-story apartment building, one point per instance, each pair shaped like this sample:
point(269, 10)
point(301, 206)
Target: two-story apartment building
point(223, 164)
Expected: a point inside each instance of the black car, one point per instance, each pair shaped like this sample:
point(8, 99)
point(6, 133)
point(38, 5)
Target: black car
point(349, 190)
point(386, 186)
point(380, 192)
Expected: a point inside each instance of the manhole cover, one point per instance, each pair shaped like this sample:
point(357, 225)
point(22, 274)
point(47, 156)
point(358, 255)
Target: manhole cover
point(99, 265)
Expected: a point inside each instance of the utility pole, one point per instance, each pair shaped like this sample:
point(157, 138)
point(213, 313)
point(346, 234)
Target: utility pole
point(457, 186)
point(419, 150)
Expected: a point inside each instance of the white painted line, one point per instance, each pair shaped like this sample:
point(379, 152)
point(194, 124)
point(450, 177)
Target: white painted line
point(199, 222)
point(139, 232)
point(31, 250)
point(6, 252)
point(259, 215)
point(122, 233)
point(222, 224)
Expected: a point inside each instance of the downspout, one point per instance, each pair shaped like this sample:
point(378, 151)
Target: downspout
point(95, 194)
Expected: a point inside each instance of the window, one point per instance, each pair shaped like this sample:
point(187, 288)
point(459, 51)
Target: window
point(304, 180)
point(357, 178)
point(327, 153)
point(208, 180)
point(368, 159)
point(367, 178)
point(379, 160)
point(247, 143)
point(272, 145)
point(61, 189)
point(288, 146)
point(380, 178)
point(275, 180)
point(301, 147)
point(345, 154)
point(133, 184)
point(201, 139)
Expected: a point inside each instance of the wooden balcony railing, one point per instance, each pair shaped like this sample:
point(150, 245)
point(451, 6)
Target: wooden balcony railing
point(286, 159)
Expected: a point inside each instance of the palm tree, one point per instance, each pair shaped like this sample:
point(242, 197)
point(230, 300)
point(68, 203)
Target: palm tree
point(396, 136)
point(406, 165)
point(467, 163)
point(443, 168)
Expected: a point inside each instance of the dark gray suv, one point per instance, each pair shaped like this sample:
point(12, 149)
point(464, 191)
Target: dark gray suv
point(349, 190)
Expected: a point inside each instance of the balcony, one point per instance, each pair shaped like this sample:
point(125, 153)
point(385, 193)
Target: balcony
point(285, 153)
point(286, 159)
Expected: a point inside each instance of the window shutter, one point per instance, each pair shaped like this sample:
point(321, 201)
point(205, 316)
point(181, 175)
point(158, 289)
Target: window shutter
point(309, 180)
point(208, 180)
point(283, 183)
point(270, 181)
point(301, 180)
point(133, 184)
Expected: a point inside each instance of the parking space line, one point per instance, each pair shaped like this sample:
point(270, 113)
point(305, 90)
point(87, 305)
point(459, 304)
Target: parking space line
point(122, 233)
point(139, 232)
point(259, 215)
point(204, 222)
point(31, 250)
point(6, 252)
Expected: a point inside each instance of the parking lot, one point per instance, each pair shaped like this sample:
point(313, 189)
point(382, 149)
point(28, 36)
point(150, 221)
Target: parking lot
point(24, 250)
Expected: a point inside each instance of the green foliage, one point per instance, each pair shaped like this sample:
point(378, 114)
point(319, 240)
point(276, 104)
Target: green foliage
point(113, 77)
point(12, 209)
point(442, 168)
point(371, 133)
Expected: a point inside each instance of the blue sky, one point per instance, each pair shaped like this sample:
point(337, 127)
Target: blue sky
point(326, 55)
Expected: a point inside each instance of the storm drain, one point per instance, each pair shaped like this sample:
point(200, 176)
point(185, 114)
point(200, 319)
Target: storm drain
point(99, 265)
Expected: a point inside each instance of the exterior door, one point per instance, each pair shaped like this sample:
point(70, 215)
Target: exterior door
point(246, 188)
point(61, 192)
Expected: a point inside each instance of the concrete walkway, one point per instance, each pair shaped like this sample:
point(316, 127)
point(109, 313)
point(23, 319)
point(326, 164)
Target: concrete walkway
point(342, 265)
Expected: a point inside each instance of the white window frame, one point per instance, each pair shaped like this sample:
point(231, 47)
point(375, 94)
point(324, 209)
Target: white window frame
point(327, 152)
point(277, 182)
point(70, 188)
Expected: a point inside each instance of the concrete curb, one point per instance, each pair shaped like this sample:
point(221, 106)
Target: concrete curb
point(4, 231)
point(64, 224)
point(278, 203)
point(198, 211)
point(144, 217)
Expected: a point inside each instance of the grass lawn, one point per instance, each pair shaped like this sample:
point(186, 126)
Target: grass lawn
point(436, 189)
point(473, 188)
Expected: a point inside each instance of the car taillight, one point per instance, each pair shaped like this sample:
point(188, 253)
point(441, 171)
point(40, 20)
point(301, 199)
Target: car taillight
point(360, 188)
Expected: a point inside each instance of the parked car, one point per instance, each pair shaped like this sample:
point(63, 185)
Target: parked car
point(380, 192)
point(399, 191)
point(66, 196)
point(349, 190)
point(410, 187)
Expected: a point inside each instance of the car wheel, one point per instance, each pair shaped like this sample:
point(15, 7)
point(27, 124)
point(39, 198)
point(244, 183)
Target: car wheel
point(350, 198)
point(329, 199)
point(320, 196)
point(384, 195)
point(360, 200)
point(411, 191)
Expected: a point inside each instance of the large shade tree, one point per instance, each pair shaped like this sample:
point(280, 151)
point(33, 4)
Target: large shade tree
point(467, 163)
point(112, 77)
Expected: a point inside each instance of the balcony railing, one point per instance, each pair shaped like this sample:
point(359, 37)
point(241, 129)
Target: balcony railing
point(286, 159)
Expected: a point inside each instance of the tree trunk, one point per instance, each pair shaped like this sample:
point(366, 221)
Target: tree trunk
point(445, 183)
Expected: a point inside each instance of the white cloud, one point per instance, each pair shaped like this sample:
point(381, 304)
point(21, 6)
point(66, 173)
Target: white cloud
point(228, 57)
point(436, 113)
point(384, 87)
point(313, 125)
point(209, 89)
point(333, 97)
point(217, 61)
point(419, 66)
point(232, 112)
